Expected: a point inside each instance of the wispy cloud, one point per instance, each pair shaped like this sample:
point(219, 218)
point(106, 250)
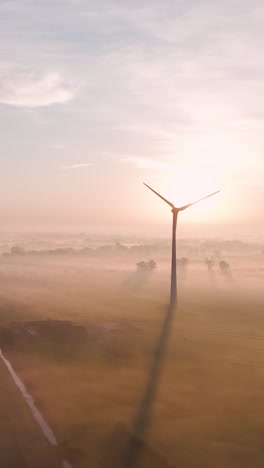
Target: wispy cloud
point(76, 166)
point(29, 88)
point(58, 146)
point(165, 87)
point(146, 163)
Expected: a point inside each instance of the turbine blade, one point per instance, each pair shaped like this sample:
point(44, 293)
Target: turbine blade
point(164, 199)
point(197, 201)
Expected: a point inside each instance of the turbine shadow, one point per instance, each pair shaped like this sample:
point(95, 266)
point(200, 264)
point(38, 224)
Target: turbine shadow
point(136, 444)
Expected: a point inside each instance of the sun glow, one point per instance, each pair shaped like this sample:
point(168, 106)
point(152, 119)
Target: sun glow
point(189, 186)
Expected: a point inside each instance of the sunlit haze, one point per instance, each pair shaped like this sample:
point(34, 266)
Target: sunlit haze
point(98, 97)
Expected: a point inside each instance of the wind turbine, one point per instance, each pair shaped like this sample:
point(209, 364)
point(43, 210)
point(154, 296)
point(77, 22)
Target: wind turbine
point(175, 212)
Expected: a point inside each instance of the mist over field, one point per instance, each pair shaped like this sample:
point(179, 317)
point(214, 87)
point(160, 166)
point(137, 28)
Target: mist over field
point(209, 402)
point(125, 341)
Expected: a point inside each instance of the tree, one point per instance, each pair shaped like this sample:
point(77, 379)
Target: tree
point(146, 266)
point(17, 250)
point(152, 265)
point(210, 262)
point(183, 262)
point(224, 266)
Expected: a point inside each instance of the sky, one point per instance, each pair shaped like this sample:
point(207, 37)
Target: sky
point(98, 97)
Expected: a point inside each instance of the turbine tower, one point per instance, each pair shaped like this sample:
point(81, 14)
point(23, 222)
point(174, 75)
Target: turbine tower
point(175, 212)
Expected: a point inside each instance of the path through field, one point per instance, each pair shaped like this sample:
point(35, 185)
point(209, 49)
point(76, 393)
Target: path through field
point(21, 442)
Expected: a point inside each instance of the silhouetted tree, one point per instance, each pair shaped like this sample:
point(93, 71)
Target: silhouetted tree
point(210, 262)
point(17, 250)
point(183, 262)
point(225, 269)
point(152, 264)
point(146, 266)
point(224, 266)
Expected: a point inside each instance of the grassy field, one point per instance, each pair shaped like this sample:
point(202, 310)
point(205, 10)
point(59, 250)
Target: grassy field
point(209, 405)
